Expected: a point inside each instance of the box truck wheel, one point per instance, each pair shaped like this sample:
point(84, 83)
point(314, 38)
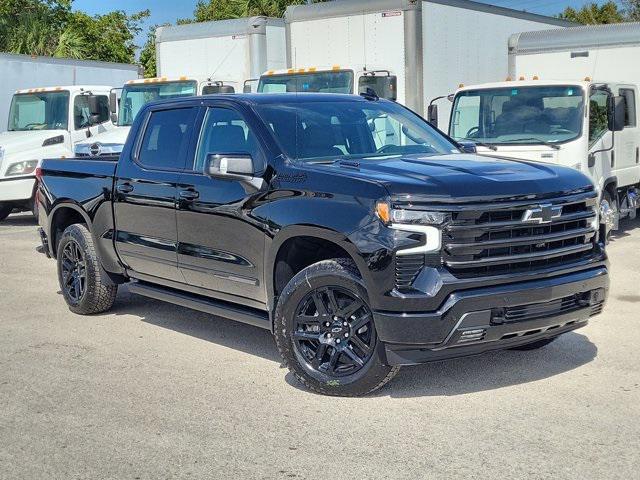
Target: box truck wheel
point(5, 210)
point(609, 214)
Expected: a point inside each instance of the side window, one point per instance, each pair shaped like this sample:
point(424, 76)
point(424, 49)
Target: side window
point(629, 107)
point(81, 112)
point(597, 115)
point(166, 138)
point(225, 131)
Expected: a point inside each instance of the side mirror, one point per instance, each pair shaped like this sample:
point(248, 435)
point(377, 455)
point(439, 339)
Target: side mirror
point(615, 113)
point(94, 104)
point(113, 106)
point(390, 88)
point(246, 88)
point(230, 165)
point(432, 114)
point(468, 147)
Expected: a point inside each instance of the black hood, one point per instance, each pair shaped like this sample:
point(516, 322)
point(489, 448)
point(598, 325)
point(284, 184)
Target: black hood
point(465, 177)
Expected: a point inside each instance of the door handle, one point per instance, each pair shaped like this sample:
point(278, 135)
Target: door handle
point(189, 194)
point(124, 188)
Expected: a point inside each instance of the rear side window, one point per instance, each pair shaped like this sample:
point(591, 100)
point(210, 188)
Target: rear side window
point(82, 114)
point(166, 138)
point(629, 107)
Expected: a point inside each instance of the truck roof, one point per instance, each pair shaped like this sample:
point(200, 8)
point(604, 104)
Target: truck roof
point(582, 37)
point(269, 98)
point(320, 68)
point(218, 28)
point(70, 88)
point(584, 83)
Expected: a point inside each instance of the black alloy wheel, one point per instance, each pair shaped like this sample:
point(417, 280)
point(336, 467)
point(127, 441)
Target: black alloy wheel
point(74, 271)
point(333, 331)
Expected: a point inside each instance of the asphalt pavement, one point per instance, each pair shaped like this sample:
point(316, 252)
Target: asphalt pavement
point(155, 391)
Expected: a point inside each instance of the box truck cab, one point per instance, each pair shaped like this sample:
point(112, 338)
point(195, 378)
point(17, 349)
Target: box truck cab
point(590, 126)
point(46, 122)
point(125, 103)
point(334, 79)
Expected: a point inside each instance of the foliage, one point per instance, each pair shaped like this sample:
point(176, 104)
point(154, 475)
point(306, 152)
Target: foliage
point(592, 13)
point(51, 28)
point(207, 10)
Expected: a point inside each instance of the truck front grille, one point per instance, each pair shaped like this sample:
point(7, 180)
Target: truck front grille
point(494, 239)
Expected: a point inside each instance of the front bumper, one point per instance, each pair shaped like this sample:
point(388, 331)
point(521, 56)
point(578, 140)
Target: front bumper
point(491, 318)
point(18, 189)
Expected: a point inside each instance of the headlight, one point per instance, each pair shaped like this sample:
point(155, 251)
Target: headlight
point(420, 221)
point(22, 168)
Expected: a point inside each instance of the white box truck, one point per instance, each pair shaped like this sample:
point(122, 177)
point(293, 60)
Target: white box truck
point(43, 123)
point(24, 72)
point(227, 51)
point(571, 99)
point(195, 59)
point(428, 47)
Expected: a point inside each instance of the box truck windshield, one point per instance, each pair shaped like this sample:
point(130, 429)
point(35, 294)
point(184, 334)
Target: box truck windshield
point(39, 111)
point(518, 115)
point(338, 81)
point(135, 95)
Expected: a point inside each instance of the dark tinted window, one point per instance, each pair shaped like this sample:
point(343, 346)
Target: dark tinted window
point(166, 138)
point(81, 112)
point(629, 107)
point(225, 131)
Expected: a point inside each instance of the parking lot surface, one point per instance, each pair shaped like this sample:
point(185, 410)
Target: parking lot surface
point(153, 391)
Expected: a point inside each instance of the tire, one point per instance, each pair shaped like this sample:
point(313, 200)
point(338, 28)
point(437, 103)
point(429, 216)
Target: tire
point(534, 345)
point(325, 332)
point(5, 210)
point(79, 273)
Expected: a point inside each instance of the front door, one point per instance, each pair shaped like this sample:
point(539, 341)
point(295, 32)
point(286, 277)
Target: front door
point(145, 194)
point(220, 244)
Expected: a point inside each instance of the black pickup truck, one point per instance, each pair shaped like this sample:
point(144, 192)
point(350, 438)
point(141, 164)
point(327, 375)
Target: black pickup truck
point(363, 238)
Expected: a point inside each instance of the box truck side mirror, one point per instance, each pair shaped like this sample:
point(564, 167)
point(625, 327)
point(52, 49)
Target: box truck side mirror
point(113, 106)
point(616, 113)
point(432, 115)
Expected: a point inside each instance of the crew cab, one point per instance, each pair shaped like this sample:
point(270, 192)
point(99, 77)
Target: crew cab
point(359, 251)
point(45, 122)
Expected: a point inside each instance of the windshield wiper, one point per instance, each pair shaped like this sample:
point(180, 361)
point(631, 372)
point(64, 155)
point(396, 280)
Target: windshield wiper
point(535, 139)
point(482, 144)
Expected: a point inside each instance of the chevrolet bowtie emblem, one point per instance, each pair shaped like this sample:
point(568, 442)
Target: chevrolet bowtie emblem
point(544, 213)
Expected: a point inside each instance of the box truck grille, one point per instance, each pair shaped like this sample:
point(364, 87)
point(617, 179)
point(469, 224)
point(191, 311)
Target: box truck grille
point(492, 240)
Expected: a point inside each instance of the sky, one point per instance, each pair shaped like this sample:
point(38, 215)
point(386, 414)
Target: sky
point(167, 11)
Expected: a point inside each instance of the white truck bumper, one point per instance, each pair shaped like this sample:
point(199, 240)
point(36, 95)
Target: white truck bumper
point(16, 189)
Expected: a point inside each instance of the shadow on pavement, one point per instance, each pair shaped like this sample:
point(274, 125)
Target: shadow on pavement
point(20, 220)
point(451, 377)
point(625, 228)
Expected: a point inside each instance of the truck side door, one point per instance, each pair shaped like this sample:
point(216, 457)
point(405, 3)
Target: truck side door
point(627, 142)
point(220, 244)
point(145, 193)
point(80, 118)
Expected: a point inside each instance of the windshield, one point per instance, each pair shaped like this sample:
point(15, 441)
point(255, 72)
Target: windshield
point(338, 81)
point(518, 115)
point(351, 129)
point(39, 111)
point(135, 96)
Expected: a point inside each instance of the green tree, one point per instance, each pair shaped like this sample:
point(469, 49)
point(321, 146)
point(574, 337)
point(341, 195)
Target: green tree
point(207, 10)
point(51, 28)
point(592, 13)
point(632, 10)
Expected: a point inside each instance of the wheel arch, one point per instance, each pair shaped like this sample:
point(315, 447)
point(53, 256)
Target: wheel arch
point(62, 216)
point(285, 247)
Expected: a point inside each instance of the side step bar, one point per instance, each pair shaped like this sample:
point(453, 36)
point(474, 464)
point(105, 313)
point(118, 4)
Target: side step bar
point(220, 308)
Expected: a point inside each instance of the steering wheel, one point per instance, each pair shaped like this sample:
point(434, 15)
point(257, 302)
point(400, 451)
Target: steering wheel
point(35, 124)
point(472, 131)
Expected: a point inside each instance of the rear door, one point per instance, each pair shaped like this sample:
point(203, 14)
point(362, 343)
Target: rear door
point(145, 193)
point(220, 240)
